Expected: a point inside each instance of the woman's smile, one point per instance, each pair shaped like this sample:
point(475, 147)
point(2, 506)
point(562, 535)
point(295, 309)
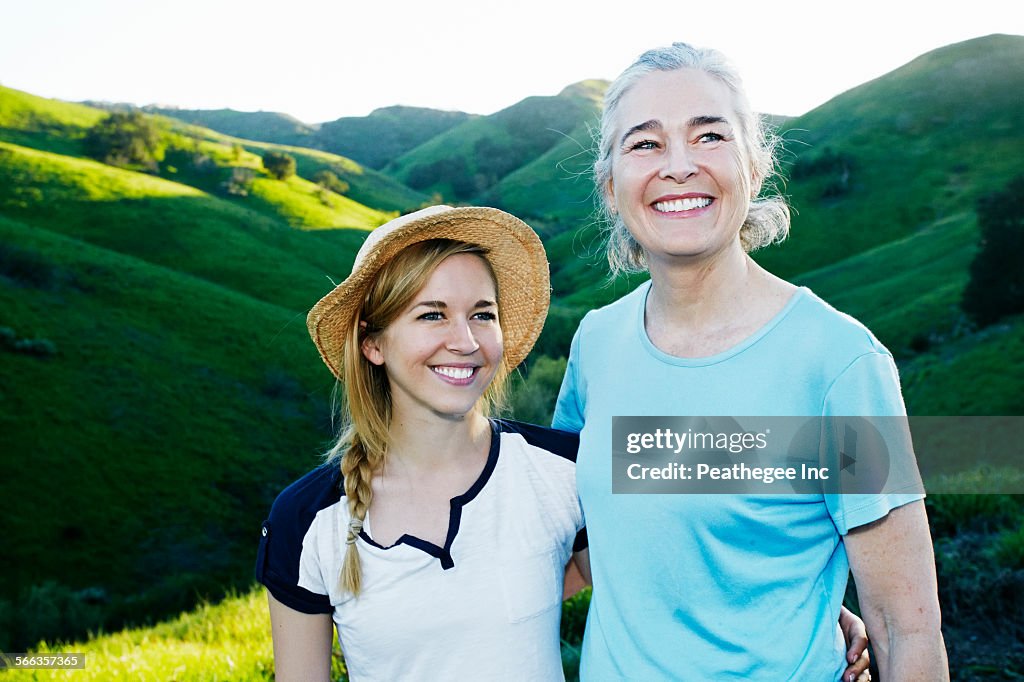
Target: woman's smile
point(458, 375)
point(683, 205)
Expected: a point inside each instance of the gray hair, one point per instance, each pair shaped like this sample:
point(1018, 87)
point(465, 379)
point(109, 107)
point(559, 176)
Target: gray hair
point(767, 220)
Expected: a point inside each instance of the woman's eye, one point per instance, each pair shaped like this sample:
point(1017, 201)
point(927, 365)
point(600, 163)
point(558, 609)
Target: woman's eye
point(640, 145)
point(432, 316)
point(489, 316)
point(711, 137)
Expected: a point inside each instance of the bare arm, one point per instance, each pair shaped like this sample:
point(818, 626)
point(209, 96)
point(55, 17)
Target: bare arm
point(577, 573)
point(302, 643)
point(894, 568)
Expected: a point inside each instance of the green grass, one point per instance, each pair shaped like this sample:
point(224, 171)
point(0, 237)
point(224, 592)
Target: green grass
point(978, 374)
point(905, 290)
point(466, 161)
point(367, 186)
point(173, 225)
point(145, 451)
point(229, 640)
point(59, 127)
point(42, 123)
point(299, 202)
point(225, 641)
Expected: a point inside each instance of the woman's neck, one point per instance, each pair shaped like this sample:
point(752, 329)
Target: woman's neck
point(701, 308)
point(432, 443)
point(700, 294)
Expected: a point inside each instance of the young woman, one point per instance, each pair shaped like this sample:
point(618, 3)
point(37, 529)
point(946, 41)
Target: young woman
point(434, 538)
point(681, 164)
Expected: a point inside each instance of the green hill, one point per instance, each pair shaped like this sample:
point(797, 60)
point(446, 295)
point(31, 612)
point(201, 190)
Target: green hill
point(385, 134)
point(150, 416)
point(373, 140)
point(165, 223)
point(41, 123)
point(889, 157)
point(206, 159)
point(265, 126)
point(471, 158)
point(556, 188)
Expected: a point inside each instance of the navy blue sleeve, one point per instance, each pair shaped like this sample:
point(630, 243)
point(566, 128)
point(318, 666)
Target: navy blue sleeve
point(277, 561)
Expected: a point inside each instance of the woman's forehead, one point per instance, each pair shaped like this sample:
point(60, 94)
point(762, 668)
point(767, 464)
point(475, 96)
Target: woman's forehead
point(682, 96)
point(461, 273)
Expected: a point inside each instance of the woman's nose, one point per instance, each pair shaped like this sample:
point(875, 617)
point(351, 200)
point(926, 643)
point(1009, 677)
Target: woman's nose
point(461, 338)
point(678, 163)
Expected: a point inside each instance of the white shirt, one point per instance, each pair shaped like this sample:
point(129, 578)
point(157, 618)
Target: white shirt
point(486, 606)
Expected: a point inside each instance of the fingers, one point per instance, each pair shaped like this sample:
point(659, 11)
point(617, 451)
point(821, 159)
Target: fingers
point(856, 646)
point(858, 671)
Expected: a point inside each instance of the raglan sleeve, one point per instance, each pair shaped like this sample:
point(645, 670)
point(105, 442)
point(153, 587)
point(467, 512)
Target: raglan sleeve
point(286, 562)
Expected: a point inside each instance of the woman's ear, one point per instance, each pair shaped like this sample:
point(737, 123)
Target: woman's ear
point(372, 350)
point(755, 184)
point(609, 197)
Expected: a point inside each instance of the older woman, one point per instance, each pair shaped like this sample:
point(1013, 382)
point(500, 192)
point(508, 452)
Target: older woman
point(727, 586)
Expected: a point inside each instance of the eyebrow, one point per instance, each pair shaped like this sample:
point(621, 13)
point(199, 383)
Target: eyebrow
point(655, 124)
point(482, 303)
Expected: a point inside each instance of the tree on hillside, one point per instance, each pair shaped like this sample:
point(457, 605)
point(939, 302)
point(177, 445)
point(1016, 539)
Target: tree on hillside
point(279, 164)
point(328, 180)
point(126, 139)
point(996, 285)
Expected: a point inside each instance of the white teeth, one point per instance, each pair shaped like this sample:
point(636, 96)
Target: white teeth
point(454, 372)
point(679, 205)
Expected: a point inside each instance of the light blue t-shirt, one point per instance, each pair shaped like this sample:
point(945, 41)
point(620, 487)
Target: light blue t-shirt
point(718, 586)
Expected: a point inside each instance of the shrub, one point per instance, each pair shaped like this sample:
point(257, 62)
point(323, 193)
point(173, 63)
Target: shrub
point(279, 165)
point(37, 347)
point(996, 285)
point(128, 140)
point(239, 183)
point(29, 268)
point(533, 398)
point(328, 180)
point(54, 611)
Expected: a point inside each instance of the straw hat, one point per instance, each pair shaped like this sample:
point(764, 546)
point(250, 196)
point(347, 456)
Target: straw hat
point(513, 249)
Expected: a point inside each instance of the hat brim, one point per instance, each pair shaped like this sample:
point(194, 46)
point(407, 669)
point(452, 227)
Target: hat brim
point(514, 251)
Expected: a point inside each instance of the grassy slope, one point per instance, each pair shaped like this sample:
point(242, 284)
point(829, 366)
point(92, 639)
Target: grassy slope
point(147, 452)
point(471, 158)
point(266, 126)
point(227, 641)
point(196, 233)
point(59, 127)
point(386, 133)
point(557, 186)
point(906, 289)
point(925, 141)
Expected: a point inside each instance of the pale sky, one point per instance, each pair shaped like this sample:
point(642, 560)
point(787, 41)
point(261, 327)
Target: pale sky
point(319, 60)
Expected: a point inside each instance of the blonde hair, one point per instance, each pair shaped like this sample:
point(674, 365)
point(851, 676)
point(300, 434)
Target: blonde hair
point(767, 220)
point(362, 446)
